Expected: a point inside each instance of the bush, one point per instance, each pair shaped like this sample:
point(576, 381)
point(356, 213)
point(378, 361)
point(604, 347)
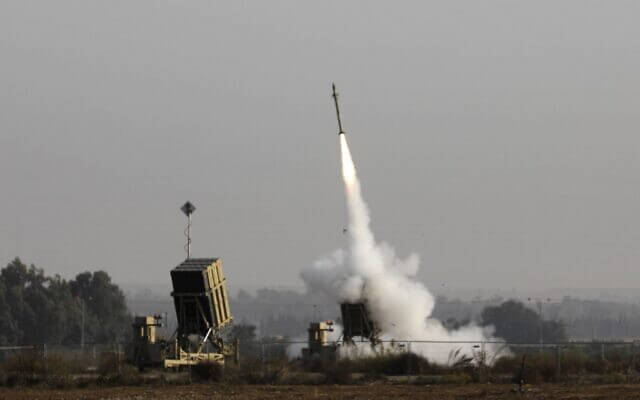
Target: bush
point(597, 366)
point(457, 378)
point(107, 364)
point(256, 372)
point(208, 371)
point(128, 375)
point(573, 361)
point(538, 368)
point(610, 379)
point(60, 381)
point(394, 364)
point(544, 368)
point(113, 370)
point(340, 373)
point(31, 368)
point(507, 365)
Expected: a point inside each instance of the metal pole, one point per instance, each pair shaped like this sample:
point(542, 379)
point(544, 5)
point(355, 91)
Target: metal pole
point(408, 358)
point(541, 325)
point(44, 357)
point(82, 331)
point(632, 365)
point(189, 237)
point(558, 362)
point(236, 353)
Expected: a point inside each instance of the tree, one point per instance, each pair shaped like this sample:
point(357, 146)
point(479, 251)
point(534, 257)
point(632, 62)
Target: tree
point(8, 330)
point(23, 293)
point(36, 309)
point(246, 335)
point(514, 322)
point(105, 309)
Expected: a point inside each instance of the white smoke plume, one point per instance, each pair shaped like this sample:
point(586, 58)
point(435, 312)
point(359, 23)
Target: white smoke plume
point(371, 272)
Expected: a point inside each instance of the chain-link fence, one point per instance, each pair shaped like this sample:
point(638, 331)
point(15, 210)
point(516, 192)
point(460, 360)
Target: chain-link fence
point(548, 361)
point(552, 361)
point(90, 358)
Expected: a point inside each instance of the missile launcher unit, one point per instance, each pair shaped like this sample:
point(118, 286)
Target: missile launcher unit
point(202, 311)
point(319, 344)
point(200, 296)
point(357, 323)
point(145, 349)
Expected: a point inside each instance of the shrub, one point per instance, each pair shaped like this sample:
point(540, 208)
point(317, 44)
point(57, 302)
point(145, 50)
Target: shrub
point(537, 368)
point(507, 365)
point(545, 368)
point(256, 372)
point(457, 378)
point(394, 364)
point(31, 367)
point(107, 364)
point(597, 366)
point(340, 373)
point(573, 361)
point(113, 370)
point(128, 375)
point(208, 371)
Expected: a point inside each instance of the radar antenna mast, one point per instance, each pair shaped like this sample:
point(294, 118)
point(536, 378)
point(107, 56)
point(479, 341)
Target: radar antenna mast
point(188, 209)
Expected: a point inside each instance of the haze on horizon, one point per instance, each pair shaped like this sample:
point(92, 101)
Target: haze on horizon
point(517, 123)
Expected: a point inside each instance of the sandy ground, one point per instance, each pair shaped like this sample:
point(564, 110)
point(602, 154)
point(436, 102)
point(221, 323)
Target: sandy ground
point(373, 391)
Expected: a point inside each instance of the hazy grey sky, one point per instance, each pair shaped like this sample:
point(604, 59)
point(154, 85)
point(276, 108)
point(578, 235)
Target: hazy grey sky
point(498, 139)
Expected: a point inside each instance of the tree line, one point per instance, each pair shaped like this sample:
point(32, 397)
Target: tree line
point(40, 309)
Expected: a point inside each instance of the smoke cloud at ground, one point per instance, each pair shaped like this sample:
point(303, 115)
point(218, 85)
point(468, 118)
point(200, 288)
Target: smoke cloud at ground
point(372, 273)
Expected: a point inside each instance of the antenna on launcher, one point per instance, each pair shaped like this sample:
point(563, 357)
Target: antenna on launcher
point(188, 209)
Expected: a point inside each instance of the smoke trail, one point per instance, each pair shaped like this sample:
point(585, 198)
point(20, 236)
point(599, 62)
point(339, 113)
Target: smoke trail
point(364, 252)
point(371, 272)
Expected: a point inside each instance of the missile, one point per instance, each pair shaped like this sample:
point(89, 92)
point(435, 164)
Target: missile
point(335, 100)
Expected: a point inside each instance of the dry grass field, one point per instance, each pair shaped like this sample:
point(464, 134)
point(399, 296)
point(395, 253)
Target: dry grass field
point(352, 392)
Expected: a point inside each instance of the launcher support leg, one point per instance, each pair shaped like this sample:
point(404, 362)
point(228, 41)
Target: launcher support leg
point(204, 340)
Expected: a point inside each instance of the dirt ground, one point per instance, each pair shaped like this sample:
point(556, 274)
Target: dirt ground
point(373, 391)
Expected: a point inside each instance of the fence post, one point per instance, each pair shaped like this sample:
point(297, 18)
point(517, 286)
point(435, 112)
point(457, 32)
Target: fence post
point(44, 357)
point(602, 352)
point(236, 352)
point(632, 364)
point(558, 361)
point(118, 359)
point(408, 358)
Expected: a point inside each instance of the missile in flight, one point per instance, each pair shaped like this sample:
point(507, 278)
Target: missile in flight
point(335, 100)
